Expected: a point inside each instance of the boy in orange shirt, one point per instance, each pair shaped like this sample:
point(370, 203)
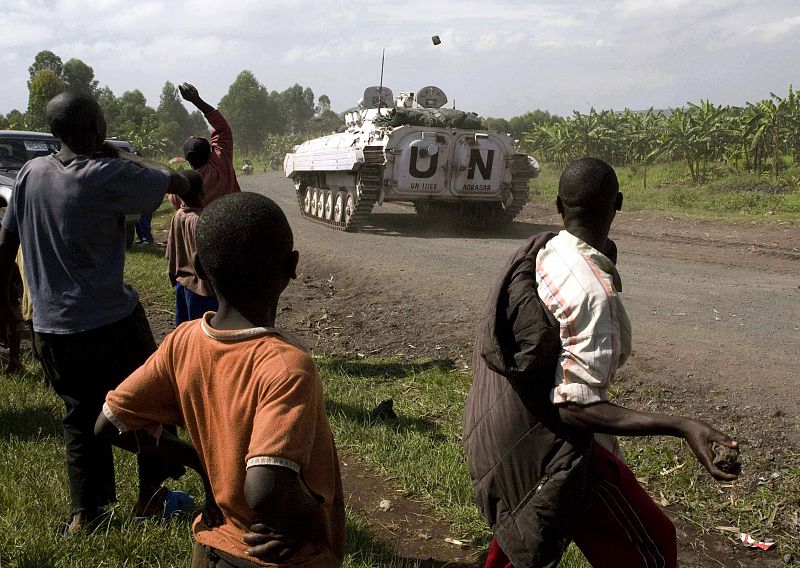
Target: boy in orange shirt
point(250, 399)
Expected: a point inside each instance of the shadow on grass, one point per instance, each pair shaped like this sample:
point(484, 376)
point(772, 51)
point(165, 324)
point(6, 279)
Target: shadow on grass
point(150, 249)
point(29, 423)
point(371, 371)
point(372, 368)
point(29, 559)
point(402, 423)
point(364, 547)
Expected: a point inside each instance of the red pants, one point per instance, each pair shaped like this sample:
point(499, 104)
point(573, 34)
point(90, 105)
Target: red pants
point(622, 526)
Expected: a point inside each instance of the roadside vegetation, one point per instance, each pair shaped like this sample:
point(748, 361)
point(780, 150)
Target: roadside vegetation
point(701, 160)
point(266, 124)
point(726, 194)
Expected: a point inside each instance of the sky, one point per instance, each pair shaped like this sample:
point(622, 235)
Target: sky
point(499, 58)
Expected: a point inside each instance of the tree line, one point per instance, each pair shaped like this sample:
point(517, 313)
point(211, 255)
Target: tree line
point(263, 122)
point(756, 137)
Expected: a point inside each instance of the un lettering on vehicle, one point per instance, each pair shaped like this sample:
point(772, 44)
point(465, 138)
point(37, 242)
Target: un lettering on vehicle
point(478, 166)
point(422, 164)
point(440, 165)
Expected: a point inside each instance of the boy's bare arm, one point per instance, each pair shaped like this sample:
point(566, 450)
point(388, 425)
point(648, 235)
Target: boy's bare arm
point(288, 516)
point(608, 418)
point(168, 447)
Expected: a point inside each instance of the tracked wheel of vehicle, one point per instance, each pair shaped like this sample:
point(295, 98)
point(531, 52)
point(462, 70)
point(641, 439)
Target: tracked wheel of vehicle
point(343, 210)
point(329, 204)
point(319, 198)
point(349, 207)
point(338, 206)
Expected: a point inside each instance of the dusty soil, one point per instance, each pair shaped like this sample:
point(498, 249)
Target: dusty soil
point(715, 308)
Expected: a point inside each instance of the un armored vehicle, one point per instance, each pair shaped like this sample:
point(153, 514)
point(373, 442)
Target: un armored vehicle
point(411, 149)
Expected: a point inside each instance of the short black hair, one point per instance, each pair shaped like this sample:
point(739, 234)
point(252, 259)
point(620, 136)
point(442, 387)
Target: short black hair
point(197, 151)
point(193, 197)
point(244, 242)
point(72, 114)
point(588, 183)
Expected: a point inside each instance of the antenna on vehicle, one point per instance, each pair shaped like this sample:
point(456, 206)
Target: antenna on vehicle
point(380, 89)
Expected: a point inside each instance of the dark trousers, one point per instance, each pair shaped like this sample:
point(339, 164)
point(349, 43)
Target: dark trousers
point(622, 525)
point(143, 228)
point(82, 368)
point(190, 306)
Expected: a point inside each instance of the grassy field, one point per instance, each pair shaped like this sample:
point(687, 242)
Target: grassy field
point(727, 194)
point(419, 454)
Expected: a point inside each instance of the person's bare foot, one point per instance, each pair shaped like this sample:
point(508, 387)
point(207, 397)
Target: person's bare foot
point(151, 506)
point(85, 522)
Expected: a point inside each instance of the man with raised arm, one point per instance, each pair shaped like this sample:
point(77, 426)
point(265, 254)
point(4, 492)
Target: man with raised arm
point(213, 160)
point(538, 425)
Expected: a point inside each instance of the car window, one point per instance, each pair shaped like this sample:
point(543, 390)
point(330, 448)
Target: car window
point(14, 153)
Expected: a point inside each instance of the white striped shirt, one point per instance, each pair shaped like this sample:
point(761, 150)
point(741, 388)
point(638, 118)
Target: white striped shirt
point(580, 286)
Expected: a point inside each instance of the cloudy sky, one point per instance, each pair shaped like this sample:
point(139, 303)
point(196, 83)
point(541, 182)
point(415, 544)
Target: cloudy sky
point(497, 57)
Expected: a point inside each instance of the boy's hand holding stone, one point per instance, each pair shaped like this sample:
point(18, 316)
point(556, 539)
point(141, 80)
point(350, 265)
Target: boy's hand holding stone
point(701, 437)
point(211, 514)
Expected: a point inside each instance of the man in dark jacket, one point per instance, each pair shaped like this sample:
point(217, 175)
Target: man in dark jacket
point(538, 427)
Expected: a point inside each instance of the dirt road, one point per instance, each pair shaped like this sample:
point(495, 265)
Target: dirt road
point(715, 307)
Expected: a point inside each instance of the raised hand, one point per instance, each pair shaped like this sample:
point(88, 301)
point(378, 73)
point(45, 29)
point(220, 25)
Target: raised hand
point(189, 92)
point(211, 514)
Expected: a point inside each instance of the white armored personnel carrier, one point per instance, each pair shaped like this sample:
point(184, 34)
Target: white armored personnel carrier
point(444, 161)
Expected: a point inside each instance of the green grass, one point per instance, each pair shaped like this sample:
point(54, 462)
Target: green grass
point(420, 452)
point(728, 194)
